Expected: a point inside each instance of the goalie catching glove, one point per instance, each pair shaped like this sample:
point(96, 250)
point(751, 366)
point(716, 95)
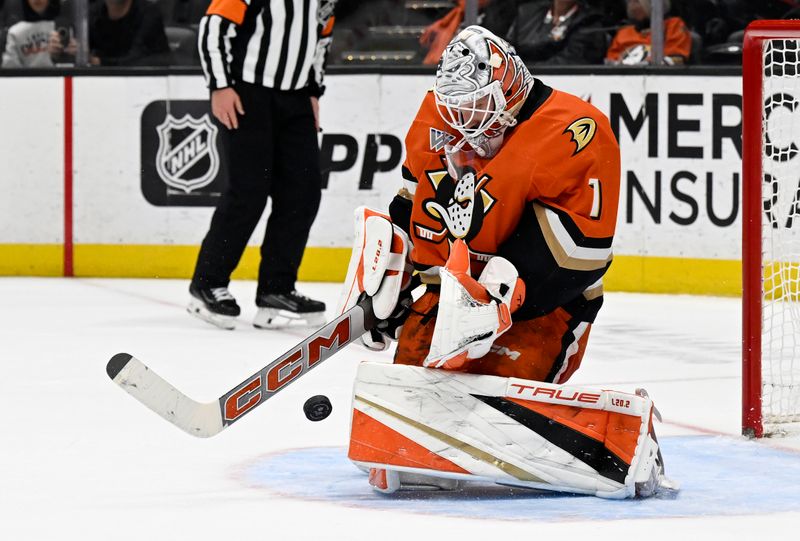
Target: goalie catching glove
point(379, 267)
point(472, 313)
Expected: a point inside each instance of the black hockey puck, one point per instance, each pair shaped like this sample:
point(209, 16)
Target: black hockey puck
point(317, 408)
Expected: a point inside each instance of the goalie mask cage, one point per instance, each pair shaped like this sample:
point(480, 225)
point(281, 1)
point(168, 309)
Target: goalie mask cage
point(771, 227)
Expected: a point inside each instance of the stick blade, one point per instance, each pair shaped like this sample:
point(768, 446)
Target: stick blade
point(117, 363)
point(199, 419)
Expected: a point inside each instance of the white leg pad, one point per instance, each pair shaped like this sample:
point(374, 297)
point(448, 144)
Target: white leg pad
point(504, 430)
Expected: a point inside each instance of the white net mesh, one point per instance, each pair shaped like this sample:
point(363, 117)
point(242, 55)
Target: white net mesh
point(780, 338)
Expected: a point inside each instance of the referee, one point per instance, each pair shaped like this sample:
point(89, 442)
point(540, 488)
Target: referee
point(264, 61)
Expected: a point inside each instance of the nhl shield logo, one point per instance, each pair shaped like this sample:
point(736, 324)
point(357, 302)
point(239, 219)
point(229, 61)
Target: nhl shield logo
point(187, 157)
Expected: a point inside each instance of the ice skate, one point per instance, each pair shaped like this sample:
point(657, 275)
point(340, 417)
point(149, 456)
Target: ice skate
point(390, 481)
point(281, 310)
point(214, 305)
point(655, 483)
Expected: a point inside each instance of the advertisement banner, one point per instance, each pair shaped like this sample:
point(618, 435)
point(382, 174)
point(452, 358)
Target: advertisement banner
point(149, 165)
point(680, 139)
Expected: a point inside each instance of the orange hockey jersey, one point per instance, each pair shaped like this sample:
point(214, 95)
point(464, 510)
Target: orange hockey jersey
point(547, 201)
point(677, 41)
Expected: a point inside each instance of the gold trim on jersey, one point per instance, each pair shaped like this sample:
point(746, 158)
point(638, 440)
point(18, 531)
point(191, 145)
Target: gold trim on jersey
point(430, 279)
point(474, 452)
point(567, 253)
point(594, 291)
point(436, 177)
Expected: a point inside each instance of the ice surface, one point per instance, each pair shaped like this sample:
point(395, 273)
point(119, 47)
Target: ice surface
point(83, 460)
point(720, 476)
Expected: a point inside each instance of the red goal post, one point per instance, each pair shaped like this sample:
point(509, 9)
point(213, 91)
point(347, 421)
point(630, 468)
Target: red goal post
point(771, 227)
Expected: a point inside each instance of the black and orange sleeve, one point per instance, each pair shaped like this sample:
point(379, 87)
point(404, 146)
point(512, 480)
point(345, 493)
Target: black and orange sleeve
point(562, 245)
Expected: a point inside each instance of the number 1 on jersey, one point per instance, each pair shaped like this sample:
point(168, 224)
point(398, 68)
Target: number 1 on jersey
point(597, 198)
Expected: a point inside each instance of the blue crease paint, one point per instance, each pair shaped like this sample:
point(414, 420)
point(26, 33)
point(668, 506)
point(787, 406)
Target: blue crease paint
point(719, 476)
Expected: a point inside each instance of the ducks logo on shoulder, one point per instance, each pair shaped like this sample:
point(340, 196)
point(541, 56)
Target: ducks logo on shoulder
point(581, 132)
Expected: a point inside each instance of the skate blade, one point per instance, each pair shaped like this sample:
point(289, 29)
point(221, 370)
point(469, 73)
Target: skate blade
point(391, 481)
point(197, 309)
point(274, 318)
point(667, 488)
point(428, 483)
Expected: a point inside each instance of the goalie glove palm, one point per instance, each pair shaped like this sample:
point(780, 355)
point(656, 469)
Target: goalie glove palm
point(472, 313)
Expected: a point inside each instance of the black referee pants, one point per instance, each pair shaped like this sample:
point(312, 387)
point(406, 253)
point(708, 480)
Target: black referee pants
point(273, 154)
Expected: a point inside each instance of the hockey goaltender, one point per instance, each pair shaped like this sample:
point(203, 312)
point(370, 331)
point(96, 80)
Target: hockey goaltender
point(506, 216)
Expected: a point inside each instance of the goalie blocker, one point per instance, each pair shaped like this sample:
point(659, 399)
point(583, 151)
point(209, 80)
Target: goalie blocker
point(379, 268)
point(414, 427)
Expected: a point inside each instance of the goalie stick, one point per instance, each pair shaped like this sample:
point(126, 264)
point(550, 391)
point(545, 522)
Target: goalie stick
point(210, 418)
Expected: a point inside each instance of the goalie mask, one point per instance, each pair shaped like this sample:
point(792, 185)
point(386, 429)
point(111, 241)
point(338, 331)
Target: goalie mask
point(480, 86)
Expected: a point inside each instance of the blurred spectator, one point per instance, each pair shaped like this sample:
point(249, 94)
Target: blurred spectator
point(771, 9)
point(793, 13)
point(438, 35)
point(631, 44)
point(182, 12)
point(499, 15)
point(27, 40)
point(734, 15)
point(613, 11)
point(127, 33)
point(698, 14)
point(558, 32)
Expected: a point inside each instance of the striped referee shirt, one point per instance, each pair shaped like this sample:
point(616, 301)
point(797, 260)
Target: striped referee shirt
point(280, 44)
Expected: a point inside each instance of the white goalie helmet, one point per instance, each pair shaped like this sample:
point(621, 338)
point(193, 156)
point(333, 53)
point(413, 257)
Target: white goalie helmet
point(481, 83)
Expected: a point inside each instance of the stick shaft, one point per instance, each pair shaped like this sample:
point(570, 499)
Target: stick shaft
point(296, 362)
point(208, 419)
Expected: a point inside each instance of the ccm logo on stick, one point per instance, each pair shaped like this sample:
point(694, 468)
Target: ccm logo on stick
point(245, 398)
point(563, 395)
point(284, 371)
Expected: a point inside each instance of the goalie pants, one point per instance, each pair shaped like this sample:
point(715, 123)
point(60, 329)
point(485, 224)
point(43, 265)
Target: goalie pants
point(273, 154)
point(547, 348)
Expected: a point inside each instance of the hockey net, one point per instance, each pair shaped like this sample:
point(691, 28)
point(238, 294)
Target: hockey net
point(771, 227)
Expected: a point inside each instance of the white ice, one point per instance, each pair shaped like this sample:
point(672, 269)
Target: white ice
point(80, 459)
